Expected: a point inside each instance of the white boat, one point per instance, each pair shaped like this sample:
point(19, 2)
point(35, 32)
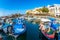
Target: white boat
point(45, 28)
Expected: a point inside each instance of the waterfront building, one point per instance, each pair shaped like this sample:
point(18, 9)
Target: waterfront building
point(54, 9)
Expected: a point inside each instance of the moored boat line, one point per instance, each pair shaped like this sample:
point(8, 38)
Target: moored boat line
point(18, 21)
point(13, 26)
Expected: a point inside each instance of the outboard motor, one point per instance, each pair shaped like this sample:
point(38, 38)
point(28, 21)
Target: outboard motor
point(9, 29)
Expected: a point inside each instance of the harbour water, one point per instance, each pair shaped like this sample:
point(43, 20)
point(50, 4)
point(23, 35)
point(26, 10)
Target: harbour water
point(32, 33)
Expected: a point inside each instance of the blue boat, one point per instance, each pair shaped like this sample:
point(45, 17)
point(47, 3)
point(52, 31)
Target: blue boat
point(15, 27)
point(19, 27)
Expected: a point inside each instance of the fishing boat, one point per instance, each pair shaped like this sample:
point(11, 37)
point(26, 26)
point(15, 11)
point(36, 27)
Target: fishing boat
point(45, 27)
point(18, 28)
point(14, 28)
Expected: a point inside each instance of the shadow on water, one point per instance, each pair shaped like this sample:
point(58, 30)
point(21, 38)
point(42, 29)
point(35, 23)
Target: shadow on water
point(32, 31)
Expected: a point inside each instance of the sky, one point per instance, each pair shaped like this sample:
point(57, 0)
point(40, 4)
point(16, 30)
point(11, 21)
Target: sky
point(8, 7)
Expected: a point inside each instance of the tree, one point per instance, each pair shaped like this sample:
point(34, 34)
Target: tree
point(44, 9)
point(39, 10)
point(27, 13)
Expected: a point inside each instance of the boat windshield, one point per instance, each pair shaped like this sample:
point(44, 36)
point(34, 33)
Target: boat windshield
point(47, 24)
